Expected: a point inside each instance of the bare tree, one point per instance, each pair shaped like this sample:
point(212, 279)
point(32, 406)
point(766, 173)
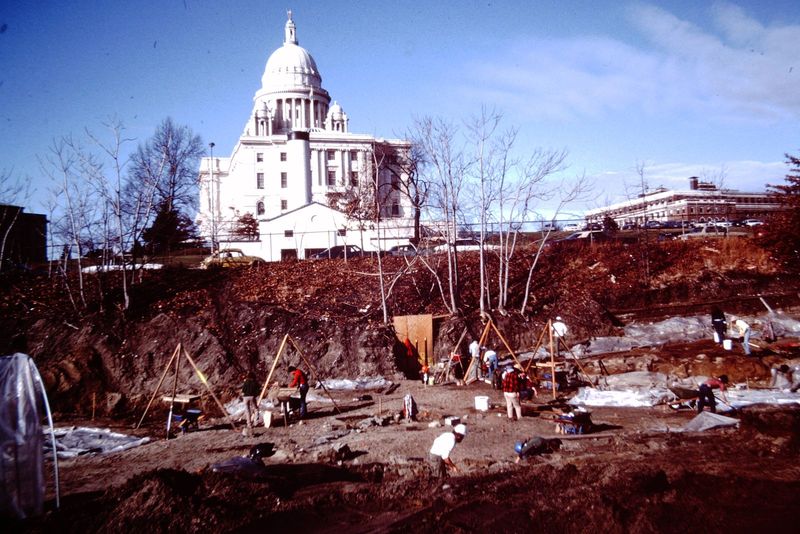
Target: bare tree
point(445, 172)
point(77, 207)
point(565, 193)
point(169, 161)
point(12, 192)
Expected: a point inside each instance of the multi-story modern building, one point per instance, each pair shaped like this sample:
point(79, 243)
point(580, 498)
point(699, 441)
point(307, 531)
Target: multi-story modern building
point(298, 169)
point(702, 202)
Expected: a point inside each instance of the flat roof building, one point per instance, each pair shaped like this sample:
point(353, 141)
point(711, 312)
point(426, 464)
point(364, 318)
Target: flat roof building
point(702, 202)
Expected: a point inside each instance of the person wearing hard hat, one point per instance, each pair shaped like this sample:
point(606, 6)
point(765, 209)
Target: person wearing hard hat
point(442, 448)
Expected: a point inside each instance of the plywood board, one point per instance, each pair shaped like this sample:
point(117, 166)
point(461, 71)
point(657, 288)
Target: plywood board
point(418, 329)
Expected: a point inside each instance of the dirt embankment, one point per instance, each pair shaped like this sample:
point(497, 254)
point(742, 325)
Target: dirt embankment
point(234, 320)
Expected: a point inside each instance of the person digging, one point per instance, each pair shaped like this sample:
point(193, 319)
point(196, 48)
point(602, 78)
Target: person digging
point(706, 393)
point(442, 448)
point(299, 381)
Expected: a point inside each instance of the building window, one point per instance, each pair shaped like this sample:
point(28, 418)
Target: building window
point(284, 205)
point(395, 210)
point(341, 232)
point(259, 156)
point(331, 155)
point(260, 180)
point(283, 156)
point(288, 233)
point(353, 178)
point(259, 208)
point(353, 155)
point(331, 178)
point(284, 180)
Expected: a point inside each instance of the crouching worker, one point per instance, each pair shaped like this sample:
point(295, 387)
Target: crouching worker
point(706, 394)
point(535, 445)
point(251, 465)
point(441, 449)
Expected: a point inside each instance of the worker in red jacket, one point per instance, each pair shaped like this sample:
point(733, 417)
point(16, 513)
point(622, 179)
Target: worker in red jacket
point(300, 381)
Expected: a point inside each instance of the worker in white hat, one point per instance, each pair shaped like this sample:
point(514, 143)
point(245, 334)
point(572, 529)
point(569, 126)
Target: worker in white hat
point(442, 447)
point(559, 333)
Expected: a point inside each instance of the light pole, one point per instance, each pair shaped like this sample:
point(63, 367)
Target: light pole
point(213, 200)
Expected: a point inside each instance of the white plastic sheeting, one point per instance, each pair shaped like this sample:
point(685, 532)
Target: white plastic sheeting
point(674, 329)
point(77, 441)
point(739, 398)
point(706, 421)
point(374, 382)
point(631, 398)
point(21, 454)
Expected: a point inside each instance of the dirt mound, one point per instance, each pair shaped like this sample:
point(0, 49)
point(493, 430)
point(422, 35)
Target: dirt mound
point(234, 320)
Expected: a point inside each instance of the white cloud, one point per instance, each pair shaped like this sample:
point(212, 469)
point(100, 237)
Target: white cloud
point(738, 69)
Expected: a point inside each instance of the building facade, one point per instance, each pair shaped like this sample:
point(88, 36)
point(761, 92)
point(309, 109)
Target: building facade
point(297, 157)
point(23, 236)
point(702, 202)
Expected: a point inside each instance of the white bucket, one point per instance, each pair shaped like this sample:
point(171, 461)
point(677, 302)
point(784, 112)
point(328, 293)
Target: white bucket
point(267, 419)
point(727, 344)
point(482, 403)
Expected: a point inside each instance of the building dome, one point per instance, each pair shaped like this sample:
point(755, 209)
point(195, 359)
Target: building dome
point(290, 65)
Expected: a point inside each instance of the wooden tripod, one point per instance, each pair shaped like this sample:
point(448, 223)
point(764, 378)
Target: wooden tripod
point(288, 339)
point(482, 341)
point(176, 358)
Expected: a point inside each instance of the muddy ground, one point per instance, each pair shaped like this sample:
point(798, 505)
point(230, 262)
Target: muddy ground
point(633, 474)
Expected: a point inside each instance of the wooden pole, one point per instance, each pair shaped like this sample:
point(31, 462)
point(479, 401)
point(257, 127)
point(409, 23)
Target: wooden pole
point(272, 370)
point(508, 347)
point(574, 358)
point(536, 348)
point(313, 369)
point(204, 380)
point(94, 404)
point(161, 381)
point(174, 392)
point(552, 359)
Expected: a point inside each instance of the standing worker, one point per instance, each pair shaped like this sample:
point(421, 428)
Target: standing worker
point(249, 393)
point(490, 359)
point(441, 449)
point(300, 381)
point(475, 353)
point(559, 332)
point(707, 393)
point(744, 333)
point(719, 324)
point(511, 393)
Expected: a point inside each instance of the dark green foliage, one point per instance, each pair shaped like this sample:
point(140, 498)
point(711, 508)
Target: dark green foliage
point(246, 228)
point(782, 232)
point(170, 231)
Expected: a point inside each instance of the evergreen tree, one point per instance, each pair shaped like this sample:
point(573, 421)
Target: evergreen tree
point(246, 227)
point(782, 232)
point(169, 231)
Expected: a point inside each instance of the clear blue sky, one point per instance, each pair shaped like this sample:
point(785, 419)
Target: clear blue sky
point(687, 87)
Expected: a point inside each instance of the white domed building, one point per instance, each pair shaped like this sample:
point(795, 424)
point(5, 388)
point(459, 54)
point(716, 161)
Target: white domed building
point(295, 163)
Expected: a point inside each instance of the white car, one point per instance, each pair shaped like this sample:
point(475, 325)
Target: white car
point(752, 222)
point(572, 227)
point(463, 245)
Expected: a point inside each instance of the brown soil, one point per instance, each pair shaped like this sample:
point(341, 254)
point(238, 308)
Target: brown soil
point(632, 475)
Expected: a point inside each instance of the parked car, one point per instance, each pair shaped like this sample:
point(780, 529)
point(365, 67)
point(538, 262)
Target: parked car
point(712, 231)
point(230, 257)
point(464, 245)
point(550, 227)
point(753, 222)
point(585, 236)
point(629, 226)
point(339, 251)
point(404, 250)
point(572, 227)
point(592, 227)
point(653, 224)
